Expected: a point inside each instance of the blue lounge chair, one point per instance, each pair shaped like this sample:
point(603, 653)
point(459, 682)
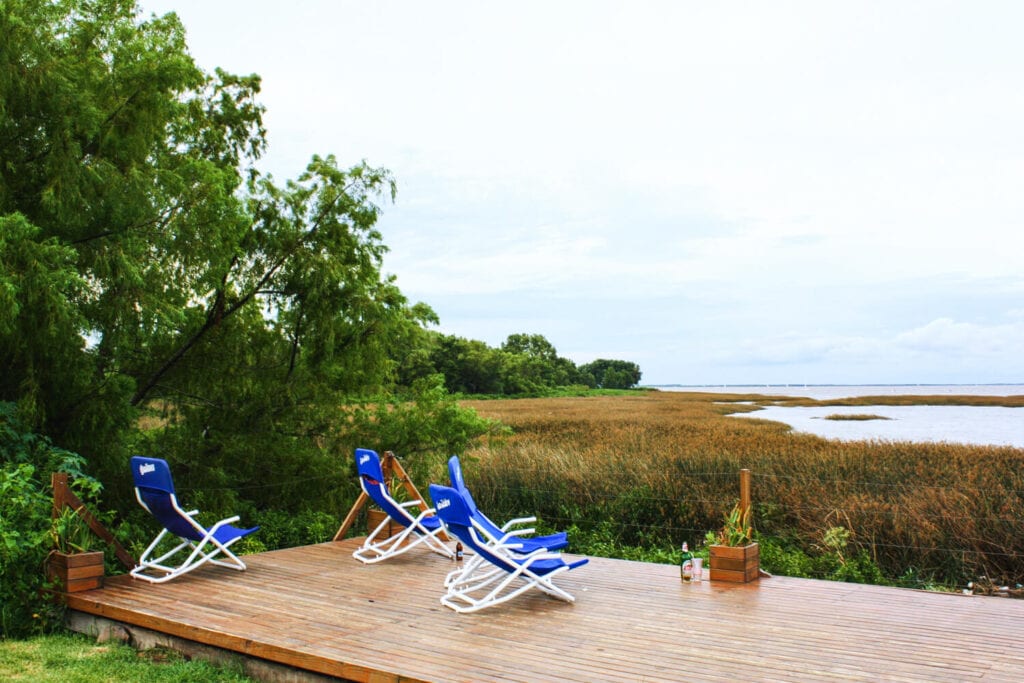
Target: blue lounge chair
point(423, 528)
point(154, 490)
point(495, 573)
point(508, 533)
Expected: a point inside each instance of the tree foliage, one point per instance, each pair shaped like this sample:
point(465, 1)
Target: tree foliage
point(613, 374)
point(148, 267)
point(525, 364)
point(159, 294)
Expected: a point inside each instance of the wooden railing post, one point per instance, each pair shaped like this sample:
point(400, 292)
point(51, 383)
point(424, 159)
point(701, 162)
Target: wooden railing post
point(59, 482)
point(64, 497)
point(745, 492)
point(745, 502)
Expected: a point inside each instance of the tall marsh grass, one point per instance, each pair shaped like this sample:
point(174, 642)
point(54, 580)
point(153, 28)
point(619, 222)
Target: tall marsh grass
point(658, 468)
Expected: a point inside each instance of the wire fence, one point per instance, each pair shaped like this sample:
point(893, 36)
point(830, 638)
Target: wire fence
point(921, 530)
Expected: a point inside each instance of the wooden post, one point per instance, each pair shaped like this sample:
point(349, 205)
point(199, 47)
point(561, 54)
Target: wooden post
point(392, 469)
point(737, 563)
point(63, 497)
point(745, 491)
point(351, 516)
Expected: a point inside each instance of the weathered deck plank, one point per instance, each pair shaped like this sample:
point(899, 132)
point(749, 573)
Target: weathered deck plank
point(318, 609)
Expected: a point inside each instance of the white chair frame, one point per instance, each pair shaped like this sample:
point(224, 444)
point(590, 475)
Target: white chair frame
point(495, 570)
point(198, 556)
point(479, 574)
point(414, 533)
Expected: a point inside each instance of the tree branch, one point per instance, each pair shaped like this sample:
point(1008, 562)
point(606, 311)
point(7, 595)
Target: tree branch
point(218, 311)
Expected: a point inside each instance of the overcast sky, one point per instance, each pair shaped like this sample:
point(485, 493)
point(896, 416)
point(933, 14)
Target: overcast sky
point(723, 193)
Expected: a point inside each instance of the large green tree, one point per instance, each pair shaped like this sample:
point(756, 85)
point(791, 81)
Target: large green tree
point(533, 363)
point(524, 364)
point(613, 374)
point(469, 366)
point(146, 262)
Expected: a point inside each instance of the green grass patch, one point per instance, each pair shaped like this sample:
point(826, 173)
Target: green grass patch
point(62, 658)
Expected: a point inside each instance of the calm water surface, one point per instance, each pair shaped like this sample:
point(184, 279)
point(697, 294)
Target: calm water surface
point(983, 425)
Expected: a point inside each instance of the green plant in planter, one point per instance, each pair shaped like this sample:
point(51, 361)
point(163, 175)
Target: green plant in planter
point(737, 531)
point(732, 552)
point(70, 533)
point(71, 564)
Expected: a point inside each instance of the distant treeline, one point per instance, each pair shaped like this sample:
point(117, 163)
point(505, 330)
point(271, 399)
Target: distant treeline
point(524, 364)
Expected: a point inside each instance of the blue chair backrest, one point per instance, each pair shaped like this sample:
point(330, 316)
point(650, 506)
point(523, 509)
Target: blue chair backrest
point(450, 505)
point(153, 480)
point(372, 476)
point(152, 473)
point(454, 510)
point(455, 475)
point(368, 465)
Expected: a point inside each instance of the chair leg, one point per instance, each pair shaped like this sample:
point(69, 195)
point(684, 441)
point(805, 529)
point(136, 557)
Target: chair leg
point(374, 551)
point(196, 558)
point(462, 586)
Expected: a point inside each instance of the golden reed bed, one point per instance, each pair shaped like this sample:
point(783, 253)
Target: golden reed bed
point(661, 467)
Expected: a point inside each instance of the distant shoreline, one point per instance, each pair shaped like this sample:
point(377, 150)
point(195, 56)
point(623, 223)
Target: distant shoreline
point(806, 386)
point(834, 391)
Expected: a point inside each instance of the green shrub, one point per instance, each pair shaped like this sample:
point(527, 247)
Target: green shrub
point(423, 430)
point(605, 541)
point(26, 462)
point(288, 530)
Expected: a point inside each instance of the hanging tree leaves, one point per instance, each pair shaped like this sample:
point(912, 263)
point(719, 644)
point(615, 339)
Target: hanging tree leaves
point(144, 260)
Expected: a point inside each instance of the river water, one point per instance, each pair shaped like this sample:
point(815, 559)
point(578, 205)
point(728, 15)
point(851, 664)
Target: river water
point(997, 426)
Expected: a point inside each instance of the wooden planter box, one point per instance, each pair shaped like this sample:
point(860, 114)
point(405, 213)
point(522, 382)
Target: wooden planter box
point(77, 571)
point(373, 520)
point(737, 564)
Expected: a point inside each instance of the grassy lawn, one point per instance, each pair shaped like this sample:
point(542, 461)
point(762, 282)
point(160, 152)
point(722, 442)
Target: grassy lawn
point(72, 658)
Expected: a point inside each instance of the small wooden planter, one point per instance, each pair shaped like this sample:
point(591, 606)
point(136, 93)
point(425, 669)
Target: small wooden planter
point(738, 564)
point(76, 571)
point(373, 520)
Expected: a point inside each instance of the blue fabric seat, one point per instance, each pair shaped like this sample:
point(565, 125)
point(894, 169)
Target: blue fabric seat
point(495, 573)
point(424, 528)
point(508, 533)
point(154, 489)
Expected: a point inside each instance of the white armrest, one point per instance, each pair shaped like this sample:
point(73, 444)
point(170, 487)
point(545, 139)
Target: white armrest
point(515, 522)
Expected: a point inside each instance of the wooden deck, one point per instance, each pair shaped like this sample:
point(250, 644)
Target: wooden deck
point(318, 609)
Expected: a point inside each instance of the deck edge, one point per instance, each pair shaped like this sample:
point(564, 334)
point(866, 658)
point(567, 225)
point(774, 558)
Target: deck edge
point(142, 638)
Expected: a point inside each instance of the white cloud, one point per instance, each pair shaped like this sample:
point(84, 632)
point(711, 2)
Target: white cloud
point(942, 350)
point(951, 339)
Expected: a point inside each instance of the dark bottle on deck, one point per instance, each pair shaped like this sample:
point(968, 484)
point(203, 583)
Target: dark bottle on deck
point(686, 564)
